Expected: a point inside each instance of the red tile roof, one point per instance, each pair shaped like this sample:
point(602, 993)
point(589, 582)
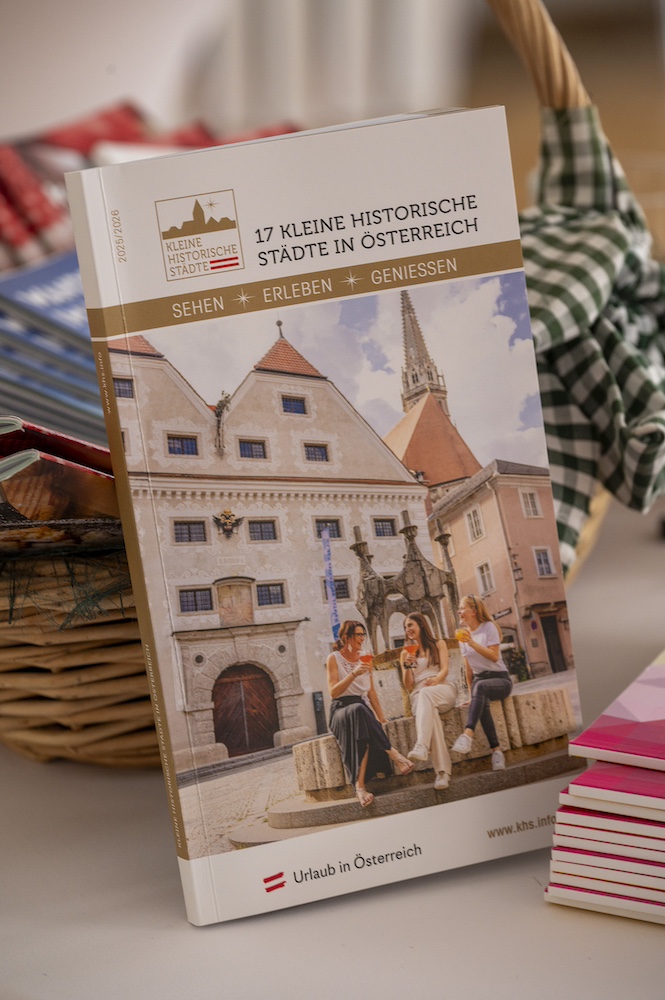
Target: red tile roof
point(283, 358)
point(426, 440)
point(134, 345)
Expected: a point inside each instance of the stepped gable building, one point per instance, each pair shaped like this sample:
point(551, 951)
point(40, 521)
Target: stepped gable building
point(426, 439)
point(230, 503)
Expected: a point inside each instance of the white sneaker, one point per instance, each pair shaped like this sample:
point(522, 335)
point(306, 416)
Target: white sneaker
point(419, 752)
point(441, 781)
point(498, 761)
point(462, 744)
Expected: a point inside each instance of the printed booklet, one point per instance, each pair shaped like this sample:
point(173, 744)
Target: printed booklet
point(607, 860)
point(634, 791)
point(615, 837)
point(632, 729)
point(606, 902)
point(593, 820)
point(606, 868)
point(49, 382)
point(48, 295)
point(322, 405)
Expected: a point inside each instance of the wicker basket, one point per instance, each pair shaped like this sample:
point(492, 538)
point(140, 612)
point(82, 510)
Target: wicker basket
point(72, 675)
point(72, 678)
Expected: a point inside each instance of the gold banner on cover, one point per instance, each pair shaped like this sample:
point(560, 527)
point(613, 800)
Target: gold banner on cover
point(334, 283)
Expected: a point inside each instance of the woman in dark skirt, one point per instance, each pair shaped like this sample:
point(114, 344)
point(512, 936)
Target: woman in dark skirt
point(356, 716)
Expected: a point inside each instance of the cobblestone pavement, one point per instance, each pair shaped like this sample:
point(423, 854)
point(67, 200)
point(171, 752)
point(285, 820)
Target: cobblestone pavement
point(235, 799)
point(243, 797)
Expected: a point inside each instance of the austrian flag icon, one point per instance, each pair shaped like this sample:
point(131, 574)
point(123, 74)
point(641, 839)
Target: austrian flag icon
point(219, 263)
point(273, 882)
point(199, 234)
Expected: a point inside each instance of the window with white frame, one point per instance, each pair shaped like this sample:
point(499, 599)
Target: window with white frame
point(485, 578)
point(544, 562)
point(530, 503)
point(474, 524)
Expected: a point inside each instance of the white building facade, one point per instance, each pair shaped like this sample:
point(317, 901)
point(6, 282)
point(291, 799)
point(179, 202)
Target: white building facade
point(230, 507)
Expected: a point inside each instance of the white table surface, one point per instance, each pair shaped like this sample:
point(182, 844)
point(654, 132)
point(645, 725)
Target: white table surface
point(90, 898)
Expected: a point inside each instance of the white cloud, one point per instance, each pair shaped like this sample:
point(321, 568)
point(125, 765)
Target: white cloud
point(467, 337)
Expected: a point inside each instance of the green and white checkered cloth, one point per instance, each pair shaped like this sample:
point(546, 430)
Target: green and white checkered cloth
point(597, 302)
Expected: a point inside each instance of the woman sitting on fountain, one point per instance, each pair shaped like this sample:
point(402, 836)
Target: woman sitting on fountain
point(486, 674)
point(356, 716)
point(424, 666)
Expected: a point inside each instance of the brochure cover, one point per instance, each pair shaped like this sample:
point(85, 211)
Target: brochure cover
point(606, 902)
point(42, 487)
point(605, 872)
point(632, 729)
point(53, 358)
point(49, 382)
point(48, 295)
point(606, 821)
point(630, 890)
point(609, 837)
point(615, 862)
point(602, 846)
point(17, 434)
point(607, 805)
point(619, 783)
point(321, 400)
point(559, 870)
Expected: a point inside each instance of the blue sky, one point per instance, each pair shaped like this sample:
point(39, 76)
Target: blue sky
point(476, 329)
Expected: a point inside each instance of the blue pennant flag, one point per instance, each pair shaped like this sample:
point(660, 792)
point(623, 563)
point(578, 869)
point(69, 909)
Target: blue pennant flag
point(330, 583)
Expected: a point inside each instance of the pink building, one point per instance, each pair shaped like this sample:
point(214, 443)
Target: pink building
point(500, 534)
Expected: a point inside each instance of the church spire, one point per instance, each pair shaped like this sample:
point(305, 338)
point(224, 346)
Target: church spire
point(419, 375)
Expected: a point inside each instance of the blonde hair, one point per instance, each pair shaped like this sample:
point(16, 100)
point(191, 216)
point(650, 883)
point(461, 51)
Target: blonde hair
point(480, 608)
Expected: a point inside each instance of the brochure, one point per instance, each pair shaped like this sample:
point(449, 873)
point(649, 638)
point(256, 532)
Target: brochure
point(321, 400)
point(632, 729)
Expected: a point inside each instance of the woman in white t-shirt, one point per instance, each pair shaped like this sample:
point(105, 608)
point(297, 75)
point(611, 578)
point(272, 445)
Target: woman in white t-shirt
point(486, 674)
point(424, 666)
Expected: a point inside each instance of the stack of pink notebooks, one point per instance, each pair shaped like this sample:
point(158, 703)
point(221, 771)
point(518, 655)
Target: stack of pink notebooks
point(609, 837)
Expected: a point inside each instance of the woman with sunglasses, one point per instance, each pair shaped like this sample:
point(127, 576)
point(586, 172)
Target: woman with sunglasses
point(486, 674)
point(356, 716)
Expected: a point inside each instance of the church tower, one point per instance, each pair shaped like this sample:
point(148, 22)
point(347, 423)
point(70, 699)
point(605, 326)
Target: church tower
point(419, 375)
point(426, 440)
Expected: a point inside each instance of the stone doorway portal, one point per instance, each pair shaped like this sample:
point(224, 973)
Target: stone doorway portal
point(244, 710)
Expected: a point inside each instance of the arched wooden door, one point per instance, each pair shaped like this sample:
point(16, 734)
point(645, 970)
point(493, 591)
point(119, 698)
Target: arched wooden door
point(244, 710)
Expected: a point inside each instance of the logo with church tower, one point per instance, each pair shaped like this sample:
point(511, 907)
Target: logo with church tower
point(199, 234)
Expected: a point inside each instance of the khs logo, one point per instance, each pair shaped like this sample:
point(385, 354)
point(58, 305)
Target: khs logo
point(199, 235)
